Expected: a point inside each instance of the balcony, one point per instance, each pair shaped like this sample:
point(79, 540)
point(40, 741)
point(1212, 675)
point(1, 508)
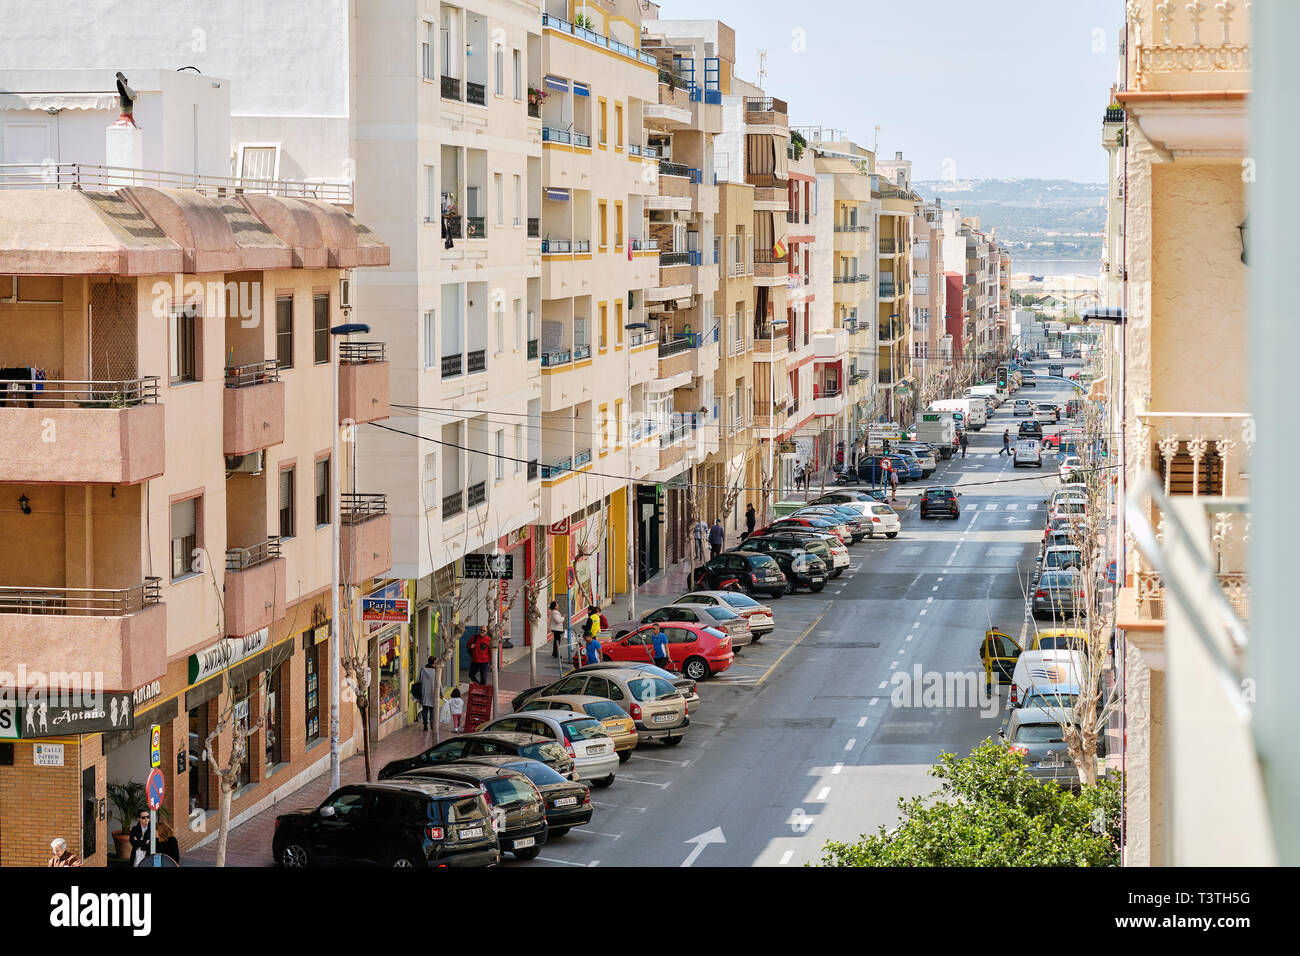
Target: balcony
point(363, 382)
point(852, 227)
point(889, 330)
point(674, 259)
point(552, 135)
point(551, 472)
point(828, 401)
point(581, 459)
point(581, 140)
point(771, 340)
point(550, 22)
point(452, 365)
point(759, 107)
point(557, 358)
point(888, 247)
point(768, 266)
point(476, 494)
point(534, 109)
point(253, 412)
point(451, 88)
point(365, 537)
point(557, 247)
point(581, 352)
point(109, 432)
point(888, 290)
point(475, 94)
point(475, 227)
point(453, 504)
point(117, 633)
point(254, 588)
point(667, 168)
point(1182, 47)
point(477, 361)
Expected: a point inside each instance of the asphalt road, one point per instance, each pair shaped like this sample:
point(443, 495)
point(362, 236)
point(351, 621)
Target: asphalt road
point(813, 735)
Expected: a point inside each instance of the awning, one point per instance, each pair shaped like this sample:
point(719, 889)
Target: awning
point(1097, 390)
point(557, 195)
point(58, 101)
point(555, 83)
point(580, 89)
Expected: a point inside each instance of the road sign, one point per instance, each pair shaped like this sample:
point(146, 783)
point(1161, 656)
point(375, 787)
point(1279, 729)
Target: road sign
point(155, 788)
point(155, 746)
point(1111, 572)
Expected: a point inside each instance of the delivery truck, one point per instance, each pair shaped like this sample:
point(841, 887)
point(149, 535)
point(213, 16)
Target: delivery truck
point(971, 408)
point(939, 429)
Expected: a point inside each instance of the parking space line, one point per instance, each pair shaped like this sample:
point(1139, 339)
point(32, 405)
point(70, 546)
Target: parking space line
point(617, 806)
point(862, 721)
point(647, 783)
point(551, 859)
point(853, 742)
point(785, 857)
point(680, 763)
point(823, 793)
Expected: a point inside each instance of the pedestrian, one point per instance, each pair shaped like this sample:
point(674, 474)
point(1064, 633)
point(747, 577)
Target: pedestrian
point(661, 648)
point(893, 483)
point(964, 442)
point(139, 836)
point(167, 842)
point(700, 532)
point(593, 650)
point(798, 477)
point(480, 655)
point(62, 855)
point(716, 536)
point(594, 621)
point(453, 710)
point(751, 519)
point(428, 685)
point(555, 621)
point(1006, 442)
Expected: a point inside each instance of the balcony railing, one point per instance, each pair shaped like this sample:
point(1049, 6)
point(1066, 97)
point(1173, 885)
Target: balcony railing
point(453, 504)
point(764, 104)
point(91, 177)
point(674, 259)
point(888, 247)
point(532, 470)
point(241, 559)
point(556, 247)
point(450, 88)
point(478, 360)
point(451, 223)
point(649, 152)
point(557, 469)
point(255, 373)
point(552, 135)
point(362, 353)
point(559, 357)
point(61, 393)
point(476, 226)
point(674, 347)
point(533, 345)
point(633, 149)
point(852, 227)
point(534, 227)
point(357, 506)
point(646, 244)
point(534, 110)
point(667, 168)
point(582, 139)
point(888, 290)
point(582, 458)
point(86, 602)
point(475, 93)
point(582, 245)
point(477, 493)
point(581, 352)
point(550, 22)
point(451, 365)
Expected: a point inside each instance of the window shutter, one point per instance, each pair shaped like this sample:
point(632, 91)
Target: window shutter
point(184, 518)
point(286, 487)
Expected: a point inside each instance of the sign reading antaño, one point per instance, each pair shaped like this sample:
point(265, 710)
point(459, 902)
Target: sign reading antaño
point(227, 651)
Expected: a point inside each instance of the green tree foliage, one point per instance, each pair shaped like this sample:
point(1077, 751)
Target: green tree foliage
point(989, 811)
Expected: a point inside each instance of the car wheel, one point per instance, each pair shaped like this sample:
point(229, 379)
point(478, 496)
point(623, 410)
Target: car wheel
point(816, 588)
point(745, 589)
point(554, 832)
point(528, 854)
point(891, 534)
point(624, 756)
point(672, 741)
point(789, 586)
point(294, 855)
point(696, 668)
point(776, 596)
point(604, 782)
point(837, 572)
point(404, 860)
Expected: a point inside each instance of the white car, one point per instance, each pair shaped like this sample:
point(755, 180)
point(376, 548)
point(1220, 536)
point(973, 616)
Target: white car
point(1066, 491)
point(1046, 413)
point(1023, 406)
point(1041, 669)
point(1070, 506)
point(884, 520)
point(584, 737)
point(1027, 452)
point(1069, 466)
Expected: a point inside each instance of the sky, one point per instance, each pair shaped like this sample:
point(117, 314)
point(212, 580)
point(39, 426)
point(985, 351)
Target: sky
point(968, 90)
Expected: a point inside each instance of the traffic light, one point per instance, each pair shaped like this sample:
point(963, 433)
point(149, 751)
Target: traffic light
point(1002, 378)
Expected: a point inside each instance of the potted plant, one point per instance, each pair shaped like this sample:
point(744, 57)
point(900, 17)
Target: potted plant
point(584, 21)
point(128, 801)
point(798, 142)
point(536, 97)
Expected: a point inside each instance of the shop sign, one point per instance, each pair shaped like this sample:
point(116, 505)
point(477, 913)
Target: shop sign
point(47, 755)
point(519, 535)
point(227, 651)
point(321, 634)
point(41, 719)
point(146, 693)
point(560, 527)
point(489, 566)
point(385, 610)
point(9, 721)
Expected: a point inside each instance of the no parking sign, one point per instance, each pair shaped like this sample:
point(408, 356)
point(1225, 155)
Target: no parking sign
point(155, 789)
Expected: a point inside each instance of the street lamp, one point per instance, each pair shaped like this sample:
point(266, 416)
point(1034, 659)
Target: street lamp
point(345, 329)
point(632, 567)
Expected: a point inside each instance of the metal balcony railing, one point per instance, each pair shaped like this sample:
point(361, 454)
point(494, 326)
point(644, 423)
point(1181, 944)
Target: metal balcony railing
point(581, 352)
point(557, 469)
point(535, 110)
point(888, 247)
point(633, 149)
point(241, 559)
point(450, 88)
point(453, 504)
point(550, 22)
point(646, 244)
point(852, 227)
point(582, 245)
point(91, 177)
point(362, 353)
point(888, 290)
point(82, 602)
point(357, 506)
point(476, 227)
point(674, 347)
point(61, 393)
point(560, 357)
point(667, 168)
point(582, 458)
point(673, 259)
point(451, 365)
point(556, 247)
point(477, 494)
point(477, 360)
point(255, 373)
point(552, 135)
point(582, 139)
point(475, 93)
point(649, 152)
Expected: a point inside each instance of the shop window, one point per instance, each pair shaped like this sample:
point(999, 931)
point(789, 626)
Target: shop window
point(390, 678)
point(274, 737)
point(312, 693)
point(200, 726)
point(242, 694)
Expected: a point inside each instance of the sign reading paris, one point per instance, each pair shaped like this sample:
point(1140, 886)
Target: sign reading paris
point(489, 566)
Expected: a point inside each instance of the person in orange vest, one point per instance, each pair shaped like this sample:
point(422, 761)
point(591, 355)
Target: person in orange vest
point(480, 656)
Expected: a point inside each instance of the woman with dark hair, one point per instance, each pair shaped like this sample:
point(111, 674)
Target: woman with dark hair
point(555, 622)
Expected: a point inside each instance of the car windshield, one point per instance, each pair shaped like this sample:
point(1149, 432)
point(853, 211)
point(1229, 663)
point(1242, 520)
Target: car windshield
point(548, 751)
point(604, 710)
point(740, 600)
point(538, 773)
point(1063, 559)
point(651, 688)
point(510, 791)
point(584, 728)
point(1039, 734)
point(1057, 642)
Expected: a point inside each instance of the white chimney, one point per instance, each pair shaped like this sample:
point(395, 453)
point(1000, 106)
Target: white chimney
point(123, 140)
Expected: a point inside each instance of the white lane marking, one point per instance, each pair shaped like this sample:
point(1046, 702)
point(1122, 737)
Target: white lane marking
point(836, 769)
point(785, 857)
point(939, 578)
point(991, 507)
point(872, 702)
point(883, 685)
point(853, 742)
point(910, 636)
point(935, 588)
point(612, 836)
point(915, 625)
point(929, 600)
point(862, 721)
point(1013, 507)
point(823, 793)
point(893, 665)
point(594, 863)
point(551, 859)
point(922, 610)
point(1031, 507)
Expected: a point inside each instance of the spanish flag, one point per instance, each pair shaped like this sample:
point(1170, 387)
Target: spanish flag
point(778, 248)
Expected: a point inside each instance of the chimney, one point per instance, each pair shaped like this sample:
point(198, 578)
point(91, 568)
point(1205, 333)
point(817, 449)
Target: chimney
point(123, 140)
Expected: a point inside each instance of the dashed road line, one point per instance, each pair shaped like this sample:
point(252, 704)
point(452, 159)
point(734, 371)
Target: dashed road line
point(785, 857)
point(853, 741)
point(823, 793)
point(862, 721)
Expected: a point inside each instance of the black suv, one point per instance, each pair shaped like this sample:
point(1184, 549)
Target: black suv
point(568, 802)
point(1031, 429)
point(755, 573)
point(940, 500)
point(393, 823)
point(517, 805)
point(771, 541)
point(802, 569)
point(507, 743)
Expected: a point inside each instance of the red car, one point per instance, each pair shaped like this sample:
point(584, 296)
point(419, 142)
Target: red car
point(695, 650)
point(810, 523)
point(1051, 441)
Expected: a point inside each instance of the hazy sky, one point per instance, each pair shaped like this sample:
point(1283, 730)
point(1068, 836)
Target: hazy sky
point(966, 88)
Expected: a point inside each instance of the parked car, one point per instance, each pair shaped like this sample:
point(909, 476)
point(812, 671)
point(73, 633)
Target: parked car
point(1058, 558)
point(884, 520)
point(831, 526)
point(1052, 441)
point(735, 625)
point(568, 802)
point(1070, 506)
point(802, 569)
point(1071, 466)
point(698, 652)
point(681, 683)
point(1067, 490)
point(1027, 451)
point(1046, 413)
point(850, 495)
point(1023, 406)
point(390, 823)
point(619, 726)
point(788, 541)
point(1031, 429)
point(1060, 594)
point(758, 615)
point(1070, 523)
point(754, 573)
point(924, 455)
point(940, 499)
point(518, 808)
point(851, 517)
point(1037, 669)
point(912, 463)
point(1052, 695)
point(658, 708)
point(1037, 735)
point(870, 468)
point(483, 744)
point(583, 738)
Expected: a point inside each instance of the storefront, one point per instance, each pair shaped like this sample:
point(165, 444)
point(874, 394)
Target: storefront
point(389, 666)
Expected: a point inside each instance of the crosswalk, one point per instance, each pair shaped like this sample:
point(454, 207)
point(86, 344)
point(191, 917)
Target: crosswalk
point(995, 505)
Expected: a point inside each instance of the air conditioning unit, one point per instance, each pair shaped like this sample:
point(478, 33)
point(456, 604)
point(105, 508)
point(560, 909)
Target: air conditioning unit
point(245, 464)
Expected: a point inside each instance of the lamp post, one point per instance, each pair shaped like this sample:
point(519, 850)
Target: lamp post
point(335, 495)
point(630, 494)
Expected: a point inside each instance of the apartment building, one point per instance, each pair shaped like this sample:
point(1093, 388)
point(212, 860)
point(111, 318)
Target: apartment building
point(932, 371)
point(169, 465)
point(1188, 438)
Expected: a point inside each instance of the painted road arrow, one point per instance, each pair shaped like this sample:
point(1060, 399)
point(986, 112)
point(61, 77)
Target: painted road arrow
point(701, 841)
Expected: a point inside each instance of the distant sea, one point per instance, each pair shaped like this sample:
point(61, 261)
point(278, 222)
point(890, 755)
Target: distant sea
point(1055, 267)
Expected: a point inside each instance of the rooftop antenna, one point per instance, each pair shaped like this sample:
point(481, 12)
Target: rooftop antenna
point(762, 70)
point(875, 142)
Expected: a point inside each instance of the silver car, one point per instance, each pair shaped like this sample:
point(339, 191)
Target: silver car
point(1036, 734)
point(757, 614)
point(731, 623)
point(584, 737)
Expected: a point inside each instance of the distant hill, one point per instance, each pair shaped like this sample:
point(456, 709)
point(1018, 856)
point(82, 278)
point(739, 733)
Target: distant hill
point(1036, 218)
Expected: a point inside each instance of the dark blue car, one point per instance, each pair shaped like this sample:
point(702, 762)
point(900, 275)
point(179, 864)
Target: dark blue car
point(869, 468)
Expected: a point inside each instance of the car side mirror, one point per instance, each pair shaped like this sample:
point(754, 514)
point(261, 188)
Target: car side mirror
point(327, 811)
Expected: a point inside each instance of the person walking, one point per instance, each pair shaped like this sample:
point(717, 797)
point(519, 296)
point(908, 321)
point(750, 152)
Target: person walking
point(1006, 442)
point(167, 842)
point(555, 623)
point(453, 710)
point(893, 482)
point(716, 536)
point(700, 532)
point(592, 655)
point(428, 684)
point(480, 656)
point(751, 519)
point(964, 442)
point(62, 855)
point(798, 477)
point(661, 648)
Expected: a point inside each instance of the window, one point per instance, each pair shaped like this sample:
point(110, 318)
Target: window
point(501, 454)
point(286, 503)
point(618, 422)
point(430, 339)
point(618, 225)
point(618, 322)
point(500, 182)
point(600, 116)
point(499, 70)
point(618, 124)
point(519, 199)
point(185, 536)
point(519, 448)
point(429, 487)
point(320, 328)
point(426, 51)
point(284, 331)
point(432, 208)
point(185, 345)
point(322, 492)
point(499, 320)
point(604, 325)
point(519, 323)
point(604, 428)
point(603, 230)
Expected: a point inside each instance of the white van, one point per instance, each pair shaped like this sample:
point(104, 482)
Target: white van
point(1043, 668)
point(972, 409)
point(985, 391)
